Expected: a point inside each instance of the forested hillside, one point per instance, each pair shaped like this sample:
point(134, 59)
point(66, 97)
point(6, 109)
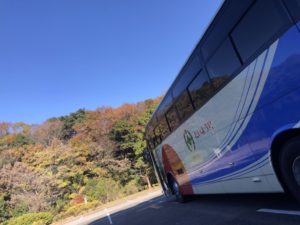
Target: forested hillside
point(71, 163)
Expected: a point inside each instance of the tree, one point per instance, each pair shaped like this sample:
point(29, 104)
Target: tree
point(104, 189)
point(98, 153)
point(24, 185)
point(122, 134)
point(129, 135)
point(69, 121)
point(4, 129)
point(48, 131)
point(21, 128)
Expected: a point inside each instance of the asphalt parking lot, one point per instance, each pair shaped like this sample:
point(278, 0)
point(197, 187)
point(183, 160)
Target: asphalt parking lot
point(241, 209)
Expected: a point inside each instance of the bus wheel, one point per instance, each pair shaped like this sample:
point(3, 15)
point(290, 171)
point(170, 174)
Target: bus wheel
point(176, 191)
point(289, 163)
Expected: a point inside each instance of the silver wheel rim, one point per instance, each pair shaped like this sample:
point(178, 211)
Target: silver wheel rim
point(296, 170)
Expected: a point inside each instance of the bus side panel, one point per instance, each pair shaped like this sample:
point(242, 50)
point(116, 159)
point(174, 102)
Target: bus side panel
point(214, 132)
point(232, 144)
point(265, 123)
point(210, 131)
point(275, 109)
point(284, 74)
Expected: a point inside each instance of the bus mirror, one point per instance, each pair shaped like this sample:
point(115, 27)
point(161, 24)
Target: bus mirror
point(146, 156)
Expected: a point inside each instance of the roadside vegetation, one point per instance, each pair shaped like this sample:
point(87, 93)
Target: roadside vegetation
point(72, 163)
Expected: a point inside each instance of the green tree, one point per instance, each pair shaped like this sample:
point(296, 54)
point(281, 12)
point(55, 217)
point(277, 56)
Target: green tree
point(20, 140)
point(122, 134)
point(96, 153)
point(69, 121)
point(104, 190)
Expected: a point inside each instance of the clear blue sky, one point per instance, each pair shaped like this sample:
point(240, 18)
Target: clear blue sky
point(61, 55)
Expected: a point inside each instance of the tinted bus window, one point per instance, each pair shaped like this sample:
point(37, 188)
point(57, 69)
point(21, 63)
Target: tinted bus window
point(200, 89)
point(157, 135)
point(172, 118)
point(188, 74)
point(184, 106)
point(231, 14)
point(294, 8)
point(165, 104)
point(150, 135)
point(164, 128)
point(223, 63)
point(263, 22)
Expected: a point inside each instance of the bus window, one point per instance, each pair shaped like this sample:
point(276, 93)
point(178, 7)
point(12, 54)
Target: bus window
point(157, 136)
point(189, 72)
point(151, 138)
point(265, 20)
point(200, 89)
point(220, 28)
point(164, 105)
point(294, 8)
point(164, 128)
point(184, 106)
point(222, 64)
point(172, 118)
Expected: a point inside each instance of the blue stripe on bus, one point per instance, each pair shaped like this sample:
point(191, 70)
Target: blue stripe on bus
point(248, 162)
point(236, 118)
point(255, 92)
point(241, 176)
point(244, 103)
point(239, 173)
point(212, 156)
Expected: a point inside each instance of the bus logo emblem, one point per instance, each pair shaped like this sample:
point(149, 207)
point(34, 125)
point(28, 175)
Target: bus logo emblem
point(189, 141)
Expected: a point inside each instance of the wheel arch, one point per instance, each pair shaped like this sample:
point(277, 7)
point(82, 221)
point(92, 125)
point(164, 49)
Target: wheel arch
point(170, 179)
point(277, 144)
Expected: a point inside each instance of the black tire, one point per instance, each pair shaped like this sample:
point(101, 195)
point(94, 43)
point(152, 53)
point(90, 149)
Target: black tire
point(176, 191)
point(289, 165)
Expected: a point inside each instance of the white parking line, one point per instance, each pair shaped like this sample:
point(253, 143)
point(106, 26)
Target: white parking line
point(116, 210)
point(276, 211)
point(108, 216)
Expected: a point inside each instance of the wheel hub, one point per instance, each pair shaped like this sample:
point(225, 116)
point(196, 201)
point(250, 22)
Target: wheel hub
point(296, 170)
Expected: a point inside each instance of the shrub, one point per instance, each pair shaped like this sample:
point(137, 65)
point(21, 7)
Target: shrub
point(77, 209)
point(103, 190)
point(44, 218)
point(40, 222)
point(77, 199)
point(19, 209)
point(59, 206)
point(4, 209)
point(130, 188)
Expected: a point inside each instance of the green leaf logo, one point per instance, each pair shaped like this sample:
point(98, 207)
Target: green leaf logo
point(189, 140)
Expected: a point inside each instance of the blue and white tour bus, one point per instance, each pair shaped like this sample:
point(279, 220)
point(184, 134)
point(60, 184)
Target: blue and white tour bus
point(230, 122)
